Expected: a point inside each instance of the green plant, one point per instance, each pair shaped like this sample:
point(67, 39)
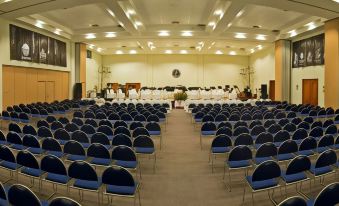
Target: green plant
point(180, 96)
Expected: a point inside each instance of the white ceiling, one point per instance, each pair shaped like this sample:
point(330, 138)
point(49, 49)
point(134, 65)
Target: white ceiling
point(209, 25)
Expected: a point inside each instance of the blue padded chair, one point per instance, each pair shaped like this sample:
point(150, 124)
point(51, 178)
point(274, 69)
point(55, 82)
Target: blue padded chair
point(44, 132)
point(120, 183)
point(286, 150)
point(30, 166)
point(328, 122)
point(240, 130)
point(225, 124)
point(265, 177)
point(224, 130)
point(100, 155)
point(123, 130)
point(256, 130)
point(327, 196)
point(296, 171)
point(14, 127)
point(331, 129)
point(316, 124)
point(154, 130)
point(244, 139)
point(325, 142)
point(267, 151)
point(3, 196)
point(153, 118)
point(32, 144)
point(255, 123)
point(240, 124)
point(89, 115)
point(75, 151)
point(144, 145)
point(124, 156)
point(14, 116)
point(234, 118)
point(3, 140)
point(106, 123)
point(88, 129)
point(239, 158)
point(307, 146)
point(280, 137)
point(139, 118)
point(52, 146)
point(15, 141)
point(246, 117)
point(309, 120)
point(63, 201)
point(135, 125)
point(50, 119)
point(299, 135)
point(296, 120)
point(304, 125)
point(8, 161)
point(62, 136)
point(113, 117)
point(293, 201)
point(122, 139)
point(20, 195)
point(127, 118)
point(101, 138)
point(263, 138)
point(140, 131)
point(323, 165)
point(100, 115)
point(56, 125)
point(316, 132)
point(291, 115)
point(86, 179)
point(221, 145)
point(63, 120)
point(71, 127)
point(207, 118)
point(220, 118)
point(275, 128)
point(29, 129)
point(78, 114)
point(81, 137)
point(282, 122)
point(207, 129)
point(56, 172)
point(106, 130)
point(290, 127)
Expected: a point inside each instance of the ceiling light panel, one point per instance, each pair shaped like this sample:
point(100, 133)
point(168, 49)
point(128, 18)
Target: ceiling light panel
point(240, 36)
point(163, 33)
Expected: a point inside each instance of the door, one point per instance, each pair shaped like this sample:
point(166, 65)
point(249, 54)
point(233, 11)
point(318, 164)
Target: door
point(41, 91)
point(272, 90)
point(50, 92)
point(310, 91)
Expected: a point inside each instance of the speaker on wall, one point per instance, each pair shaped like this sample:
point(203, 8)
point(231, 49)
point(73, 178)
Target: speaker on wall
point(77, 91)
point(264, 94)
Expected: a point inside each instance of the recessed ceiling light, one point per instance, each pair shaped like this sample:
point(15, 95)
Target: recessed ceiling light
point(39, 24)
point(259, 47)
point(119, 52)
point(110, 34)
point(239, 13)
point(163, 33)
point(91, 46)
point(212, 23)
point(110, 12)
point(229, 24)
point(90, 36)
point(186, 33)
point(7, 1)
point(183, 51)
point(152, 47)
point(311, 25)
point(218, 12)
point(252, 51)
point(256, 26)
point(336, 1)
point(168, 52)
point(292, 33)
point(133, 52)
point(240, 36)
point(130, 12)
point(99, 50)
point(232, 53)
point(261, 37)
point(218, 52)
point(138, 23)
point(57, 31)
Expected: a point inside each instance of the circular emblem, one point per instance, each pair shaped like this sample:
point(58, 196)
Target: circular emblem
point(176, 73)
point(25, 49)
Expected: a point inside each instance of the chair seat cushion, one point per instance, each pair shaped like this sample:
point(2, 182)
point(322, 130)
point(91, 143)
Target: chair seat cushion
point(91, 185)
point(44, 202)
point(101, 161)
point(121, 190)
point(306, 152)
point(282, 157)
point(35, 150)
point(154, 132)
point(207, 132)
point(310, 202)
point(56, 153)
point(220, 149)
point(320, 170)
point(10, 165)
point(63, 179)
point(293, 177)
point(18, 147)
point(259, 160)
point(127, 164)
point(257, 185)
point(3, 202)
point(76, 157)
point(239, 164)
point(321, 149)
point(144, 150)
point(32, 171)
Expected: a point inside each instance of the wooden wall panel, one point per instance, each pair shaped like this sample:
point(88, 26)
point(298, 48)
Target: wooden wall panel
point(29, 85)
point(83, 55)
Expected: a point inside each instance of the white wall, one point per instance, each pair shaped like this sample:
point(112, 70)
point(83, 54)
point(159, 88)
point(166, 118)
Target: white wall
point(5, 53)
point(263, 64)
point(93, 65)
point(156, 70)
point(311, 72)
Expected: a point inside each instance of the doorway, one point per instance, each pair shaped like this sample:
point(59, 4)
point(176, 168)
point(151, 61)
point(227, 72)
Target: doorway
point(310, 91)
point(272, 90)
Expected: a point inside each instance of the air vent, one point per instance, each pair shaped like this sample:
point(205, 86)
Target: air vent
point(228, 46)
point(275, 31)
point(175, 22)
point(242, 49)
point(94, 25)
point(256, 27)
point(192, 47)
point(201, 25)
point(123, 46)
point(176, 45)
point(119, 26)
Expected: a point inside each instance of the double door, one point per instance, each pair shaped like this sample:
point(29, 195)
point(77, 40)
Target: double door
point(46, 91)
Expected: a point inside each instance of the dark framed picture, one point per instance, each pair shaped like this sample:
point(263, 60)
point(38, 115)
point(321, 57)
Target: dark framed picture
point(43, 49)
point(26, 45)
point(51, 52)
point(36, 42)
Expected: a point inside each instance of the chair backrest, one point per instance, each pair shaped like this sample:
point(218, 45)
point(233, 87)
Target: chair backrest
point(50, 119)
point(98, 150)
point(50, 144)
point(74, 148)
point(316, 132)
point(121, 139)
point(224, 131)
point(29, 129)
point(80, 136)
point(300, 134)
point(243, 139)
point(3, 194)
point(288, 146)
point(82, 170)
point(101, 138)
point(331, 129)
point(308, 143)
point(304, 125)
point(266, 170)
point(53, 164)
point(275, 128)
point(62, 134)
point(240, 130)
point(20, 195)
point(106, 123)
point(143, 141)
point(140, 131)
point(124, 153)
point(326, 158)
point(293, 201)
point(290, 127)
point(281, 136)
point(328, 196)
point(118, 176)
point(239, 153)
point(63, 201)
point(298, 164)
point(263, 138)
point(153, 126)
point(256, 130)
point(14, 138)
point(88, 129)
point(222, 141)
point(267, 150)
point(42, 123)
point(30, 141)
point(328, 122)
point(71, 127)
point(296, 120)
point(326, 141)
point(6, 154)
point(56, 125)
point(44, 132)
point(27, 159)
point(14, 127)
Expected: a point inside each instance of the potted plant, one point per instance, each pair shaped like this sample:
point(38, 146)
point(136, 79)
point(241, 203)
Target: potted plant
point(179, 98)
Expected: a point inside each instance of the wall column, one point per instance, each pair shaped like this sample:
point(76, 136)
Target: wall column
point(80, 66)
point(282, 70)
point(332, 63)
